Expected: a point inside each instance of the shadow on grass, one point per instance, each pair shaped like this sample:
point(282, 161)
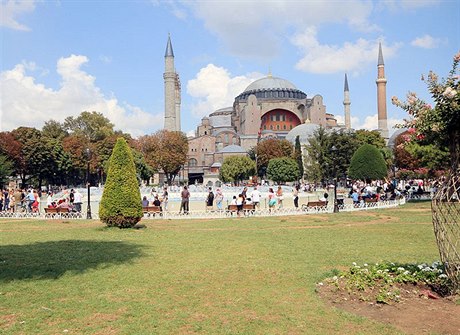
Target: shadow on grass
point(50, 260)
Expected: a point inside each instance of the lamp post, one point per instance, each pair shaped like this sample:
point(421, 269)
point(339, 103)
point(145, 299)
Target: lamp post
point(336, 206)
point(88, 212)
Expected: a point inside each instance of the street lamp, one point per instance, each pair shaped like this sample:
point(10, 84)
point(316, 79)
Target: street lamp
point(336, 206)
point(88, 211)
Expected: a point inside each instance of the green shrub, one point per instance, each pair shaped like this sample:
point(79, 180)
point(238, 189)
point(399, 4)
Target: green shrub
point(121, 204)
point(283, 169)
point(367, 163)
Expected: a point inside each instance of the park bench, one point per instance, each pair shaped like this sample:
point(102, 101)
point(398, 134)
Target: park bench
point(313, 205)
point(55, 212)
point(249, 209)
point(317, 203)
point(370, 200)
point(151, 210)
point(232, 209)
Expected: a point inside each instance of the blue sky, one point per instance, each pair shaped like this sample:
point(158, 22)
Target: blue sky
point(59, 58)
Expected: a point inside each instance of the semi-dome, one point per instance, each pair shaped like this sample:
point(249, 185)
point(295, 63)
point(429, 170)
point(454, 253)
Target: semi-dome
point(233, 148)
point(304, 131)
point(270, 83)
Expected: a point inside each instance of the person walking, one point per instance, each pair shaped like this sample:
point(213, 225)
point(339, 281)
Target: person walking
point(255, 197)
point(279, 196)
point(210, 200)
point(165, 198)
point(77, 200)
point(219, 198)
point(295, 194)
point(185, 199)
point(271, 199)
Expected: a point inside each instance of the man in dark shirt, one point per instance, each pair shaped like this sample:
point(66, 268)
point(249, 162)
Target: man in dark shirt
point(185, 196)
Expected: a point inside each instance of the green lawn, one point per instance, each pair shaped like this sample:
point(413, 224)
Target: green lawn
point(235, 276)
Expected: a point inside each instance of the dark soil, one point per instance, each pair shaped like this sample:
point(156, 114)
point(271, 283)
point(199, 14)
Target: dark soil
point(419, 310)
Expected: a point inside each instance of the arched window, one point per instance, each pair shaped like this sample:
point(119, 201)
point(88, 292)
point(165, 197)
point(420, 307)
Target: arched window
point(192, 162)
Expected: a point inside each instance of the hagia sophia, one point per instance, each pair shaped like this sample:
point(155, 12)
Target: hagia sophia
point(268, 107)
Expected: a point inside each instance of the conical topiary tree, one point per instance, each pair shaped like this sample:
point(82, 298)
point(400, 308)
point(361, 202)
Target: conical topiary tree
point(367, 163)
point(121, 204)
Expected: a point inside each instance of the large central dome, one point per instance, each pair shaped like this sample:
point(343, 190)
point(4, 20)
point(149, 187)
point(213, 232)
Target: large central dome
point(270, 83)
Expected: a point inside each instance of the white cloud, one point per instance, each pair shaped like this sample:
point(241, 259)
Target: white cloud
point(427, 42)
point(214, 88)
point(24, 102)
point(350, 57)
point(371, 123)
point(11, 9)
point(256, 29)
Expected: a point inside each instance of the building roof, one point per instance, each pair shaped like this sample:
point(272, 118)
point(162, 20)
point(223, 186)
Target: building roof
point(392, 139)
point(270, 82)
point(346, 89)
point(304, 131)
point(233, 149)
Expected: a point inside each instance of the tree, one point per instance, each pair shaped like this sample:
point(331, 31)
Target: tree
point(11, 148)
point(367, 164)
point(282, 170)
point(121, 204)
point(298, 156)
point(315, 158)
point(372, 137)
point(271, 148)
point(54, 129)
point(341, 146)
point(6, 169)
point(237, 168)
point(93, 126)
point(166, 151)
point(439, 125)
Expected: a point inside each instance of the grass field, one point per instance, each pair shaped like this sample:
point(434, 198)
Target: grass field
point(235, 276)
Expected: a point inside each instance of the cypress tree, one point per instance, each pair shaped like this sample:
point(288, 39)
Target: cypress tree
point(367, 163)
point(298, 155)
point(121, 204)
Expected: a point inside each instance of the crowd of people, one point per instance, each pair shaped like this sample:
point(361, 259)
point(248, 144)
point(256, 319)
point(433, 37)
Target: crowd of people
point(22, 200)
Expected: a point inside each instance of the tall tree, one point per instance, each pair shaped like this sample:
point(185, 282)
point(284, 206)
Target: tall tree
point(93, 126)
point(12, 149)
point(165, 151)
point(372, 137)
point(54, 129)
point(298, 156)
point(316, 155)
point(236, 169)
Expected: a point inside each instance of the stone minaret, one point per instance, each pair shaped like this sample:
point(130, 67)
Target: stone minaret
point(346, 104)
point(382, 96)
point(172, 91)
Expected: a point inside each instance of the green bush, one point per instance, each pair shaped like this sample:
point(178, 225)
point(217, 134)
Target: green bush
point(367, 163)
point(121, 204)
point(283, 169)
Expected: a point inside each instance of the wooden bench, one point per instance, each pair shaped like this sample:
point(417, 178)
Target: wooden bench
point(56, 212)
point(370, 200)
point(151, 210)
point(249, 209)
point(317, 203)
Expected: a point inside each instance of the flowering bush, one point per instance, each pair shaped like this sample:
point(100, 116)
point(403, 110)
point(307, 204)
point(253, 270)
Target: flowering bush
point(440, 123)
point(382, 279)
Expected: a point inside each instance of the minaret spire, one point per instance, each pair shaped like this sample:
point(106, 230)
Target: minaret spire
point(382, 96)
point(346, 103)
point(172, 90)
